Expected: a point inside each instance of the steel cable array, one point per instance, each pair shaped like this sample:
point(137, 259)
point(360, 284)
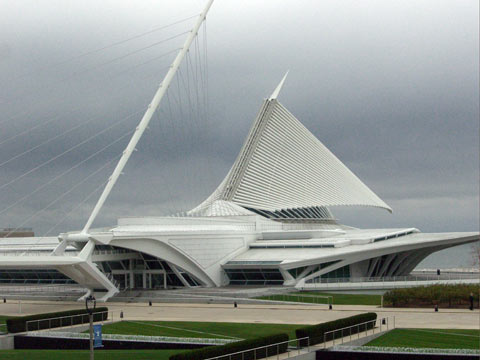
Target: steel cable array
point(189, 104)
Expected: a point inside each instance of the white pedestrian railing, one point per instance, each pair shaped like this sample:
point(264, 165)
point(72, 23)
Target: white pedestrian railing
point(136, 338)
point(113, 252)
point(72, 320)
point(310, 299)
point(399, 350)
point(426, 277)
point(30, 289)
point(34, 253)
point(273, 350)
point(361, 330)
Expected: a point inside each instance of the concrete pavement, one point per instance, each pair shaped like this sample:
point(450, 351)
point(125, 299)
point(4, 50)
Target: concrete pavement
point(286, 314)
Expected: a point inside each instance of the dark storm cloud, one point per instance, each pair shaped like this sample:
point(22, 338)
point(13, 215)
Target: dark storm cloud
point(390, 87)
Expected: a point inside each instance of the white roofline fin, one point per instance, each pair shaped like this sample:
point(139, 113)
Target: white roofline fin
point(279, 87)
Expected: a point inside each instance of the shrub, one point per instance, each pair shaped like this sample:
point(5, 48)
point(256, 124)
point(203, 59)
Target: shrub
point(219, 351)
point(316, 333)
point(19, 324)
point(443, 295)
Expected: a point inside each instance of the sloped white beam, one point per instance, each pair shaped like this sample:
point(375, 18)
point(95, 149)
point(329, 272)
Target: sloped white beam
point(162, 89)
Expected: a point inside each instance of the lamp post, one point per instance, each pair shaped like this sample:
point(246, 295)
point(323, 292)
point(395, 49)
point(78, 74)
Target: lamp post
point(90, 304)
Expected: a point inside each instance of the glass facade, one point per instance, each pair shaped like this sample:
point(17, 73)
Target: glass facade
point(382, 238)
point(143, 271)
point(314, 212)
point(254, 276)
point(343, 272)
point(340, 273)
point(33, 276)
point(289, 246)
point(297, 271)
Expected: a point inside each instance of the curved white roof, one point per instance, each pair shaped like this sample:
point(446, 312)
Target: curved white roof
point(220, 208)
point(283, 165)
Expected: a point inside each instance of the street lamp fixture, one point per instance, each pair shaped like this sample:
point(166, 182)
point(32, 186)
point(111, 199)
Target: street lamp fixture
point(90, 304)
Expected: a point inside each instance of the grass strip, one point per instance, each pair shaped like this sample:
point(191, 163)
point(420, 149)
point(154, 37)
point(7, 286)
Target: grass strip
point(199, 329)
point(315, 297)
point(429, 338)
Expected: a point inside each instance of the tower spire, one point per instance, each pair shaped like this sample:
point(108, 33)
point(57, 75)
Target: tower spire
point(278, 88)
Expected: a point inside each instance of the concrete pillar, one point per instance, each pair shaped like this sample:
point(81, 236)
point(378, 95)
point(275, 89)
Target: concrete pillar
point(130, 266)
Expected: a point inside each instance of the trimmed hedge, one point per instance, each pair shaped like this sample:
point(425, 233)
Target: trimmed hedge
point(455, 296)
point(19, 324)
point(218, 351)
point(315, 333)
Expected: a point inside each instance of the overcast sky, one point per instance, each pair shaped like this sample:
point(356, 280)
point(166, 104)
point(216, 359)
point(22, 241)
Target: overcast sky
point(390, 87)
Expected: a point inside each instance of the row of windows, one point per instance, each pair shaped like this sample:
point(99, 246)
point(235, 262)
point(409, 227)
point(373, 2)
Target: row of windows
point(393, 236)
point(37, 281)
point(316, 246)
point(254, 276)
point(253, 262)
point(33, 276)
point(315, 212)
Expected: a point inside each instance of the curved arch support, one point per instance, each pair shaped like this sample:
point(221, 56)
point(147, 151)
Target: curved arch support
point(165, 252)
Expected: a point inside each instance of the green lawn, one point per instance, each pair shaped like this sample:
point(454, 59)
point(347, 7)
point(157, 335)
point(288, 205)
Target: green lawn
point(429, 338)
point(338, 299)
point(198, 329)
point(155, 328)
point(84, 354)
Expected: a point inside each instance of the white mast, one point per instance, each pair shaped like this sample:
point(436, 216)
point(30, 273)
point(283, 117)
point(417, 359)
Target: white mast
point(162, 89)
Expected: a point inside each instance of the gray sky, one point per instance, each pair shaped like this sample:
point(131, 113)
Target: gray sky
point(390, 87)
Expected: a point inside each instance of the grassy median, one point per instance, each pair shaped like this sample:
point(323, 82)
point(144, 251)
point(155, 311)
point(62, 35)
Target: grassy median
point(429, 338)
point(320, 298)
point(192, 329)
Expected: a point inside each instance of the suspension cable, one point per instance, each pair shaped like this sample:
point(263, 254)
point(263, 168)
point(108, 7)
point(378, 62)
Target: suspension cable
point(72, 148)
point(30, 129)
point(65, 172)
point(106, 47)
point(77, 206)
point(63, 195)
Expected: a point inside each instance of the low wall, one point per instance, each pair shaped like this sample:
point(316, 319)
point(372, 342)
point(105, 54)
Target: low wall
point(358, 355)
point(6, 342)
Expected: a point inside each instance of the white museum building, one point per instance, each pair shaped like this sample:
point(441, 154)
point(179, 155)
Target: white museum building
point(268, 223)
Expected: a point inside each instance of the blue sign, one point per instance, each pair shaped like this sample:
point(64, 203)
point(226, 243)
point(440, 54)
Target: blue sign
point(97, 336)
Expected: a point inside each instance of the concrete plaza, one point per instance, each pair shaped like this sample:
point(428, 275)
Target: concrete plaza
point(253, 313)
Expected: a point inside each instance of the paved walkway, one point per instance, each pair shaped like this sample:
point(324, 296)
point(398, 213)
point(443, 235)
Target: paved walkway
point(286, 314)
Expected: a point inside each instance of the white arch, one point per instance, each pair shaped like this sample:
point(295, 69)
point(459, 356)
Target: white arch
point(165, 252)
